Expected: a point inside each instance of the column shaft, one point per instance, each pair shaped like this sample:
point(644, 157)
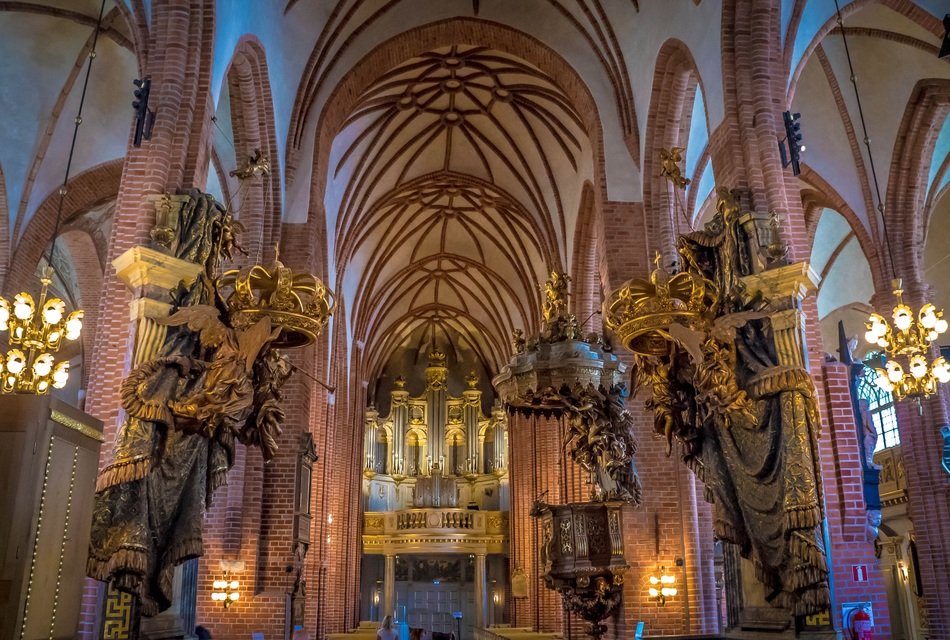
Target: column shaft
point(389, 586)
point(481, 592)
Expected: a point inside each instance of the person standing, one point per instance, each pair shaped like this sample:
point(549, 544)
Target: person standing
point(386, 630)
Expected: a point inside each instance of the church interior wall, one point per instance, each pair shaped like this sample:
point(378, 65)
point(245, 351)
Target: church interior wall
point(634, 78)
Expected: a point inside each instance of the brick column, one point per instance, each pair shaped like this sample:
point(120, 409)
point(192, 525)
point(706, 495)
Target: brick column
point(534, 450)
point(178, 58)
point(851, 544)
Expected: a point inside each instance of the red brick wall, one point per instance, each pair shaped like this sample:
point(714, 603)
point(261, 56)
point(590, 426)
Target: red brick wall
point(841, 453)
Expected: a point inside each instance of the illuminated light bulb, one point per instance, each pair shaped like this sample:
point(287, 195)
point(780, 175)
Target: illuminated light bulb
point(876, 328)
point(234, 585)
point(883, 382)
point(940, 326)
point(902, 317)
point(234, 595)
point(895, 373)
point(43, 365)
point(928, 316)
point(918, 366)
point(11, 380)
point(53, 311)
point(654, 580)
point(23, 306)
point(672, 591)
point(667, 579)
point(932, 335)
point(665, 591)
point(941, 370)
point(16, 361)
point(74, 324)
point(4, 312)
point(42, 386)
point(18, 333)
point(653, 592)
point(61, 374)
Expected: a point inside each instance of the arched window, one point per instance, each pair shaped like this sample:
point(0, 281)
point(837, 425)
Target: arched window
point(880, 411)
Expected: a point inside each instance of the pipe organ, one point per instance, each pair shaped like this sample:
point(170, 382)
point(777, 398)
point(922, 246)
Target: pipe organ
point(434, 434)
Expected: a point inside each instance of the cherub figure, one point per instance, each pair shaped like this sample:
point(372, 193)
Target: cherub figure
point(669, 167)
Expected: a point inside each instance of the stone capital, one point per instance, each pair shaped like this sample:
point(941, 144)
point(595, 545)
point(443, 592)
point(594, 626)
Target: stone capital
point(144, 267)
point(792, 282)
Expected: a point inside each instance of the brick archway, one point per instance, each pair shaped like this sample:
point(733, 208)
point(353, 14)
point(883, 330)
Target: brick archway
point(822, 195)
point(85, 191)
point(905, 210)
point(676, 80)
point(252, 121)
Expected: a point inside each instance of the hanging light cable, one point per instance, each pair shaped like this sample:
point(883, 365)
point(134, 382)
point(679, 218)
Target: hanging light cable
point(907, 369)
point(29, 366)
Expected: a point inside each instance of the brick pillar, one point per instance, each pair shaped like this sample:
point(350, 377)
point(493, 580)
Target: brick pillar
point(534, 450)
point(841, 453)
point(178, 60)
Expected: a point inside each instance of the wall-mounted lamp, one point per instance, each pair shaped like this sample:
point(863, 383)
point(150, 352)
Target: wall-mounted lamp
point(902, 569)
point(225, 591)
point(661, 587)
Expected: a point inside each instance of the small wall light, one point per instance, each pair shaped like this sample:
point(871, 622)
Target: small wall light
point(661, 587)
point(225, 591)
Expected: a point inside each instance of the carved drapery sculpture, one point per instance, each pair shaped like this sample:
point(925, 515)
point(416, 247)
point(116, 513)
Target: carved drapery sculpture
point(748, 424)
point(216, 379)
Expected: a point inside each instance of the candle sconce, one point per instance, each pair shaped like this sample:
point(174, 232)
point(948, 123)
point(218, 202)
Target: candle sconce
point(662, 586)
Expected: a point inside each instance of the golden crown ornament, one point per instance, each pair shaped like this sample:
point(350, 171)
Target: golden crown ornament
point(640, 313)
point(299, 303)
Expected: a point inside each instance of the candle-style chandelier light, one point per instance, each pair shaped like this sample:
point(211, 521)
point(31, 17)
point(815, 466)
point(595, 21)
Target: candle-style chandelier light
point(906, 367)
point(37, 328)
point(36, 332)
point(909, 342)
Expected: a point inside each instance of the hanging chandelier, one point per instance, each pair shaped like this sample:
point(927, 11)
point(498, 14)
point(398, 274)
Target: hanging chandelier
point(906, 347)
point(37, 328)
point(909, 341)
point(29, 367)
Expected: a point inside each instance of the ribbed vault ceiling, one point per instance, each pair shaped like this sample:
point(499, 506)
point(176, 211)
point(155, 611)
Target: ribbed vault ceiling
point(456, 183)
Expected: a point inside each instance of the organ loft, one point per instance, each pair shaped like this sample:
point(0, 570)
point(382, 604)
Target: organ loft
point(474, 320)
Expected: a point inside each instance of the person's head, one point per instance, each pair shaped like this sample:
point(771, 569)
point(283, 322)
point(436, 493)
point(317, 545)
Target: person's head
point(388, 622)
point(202, 634)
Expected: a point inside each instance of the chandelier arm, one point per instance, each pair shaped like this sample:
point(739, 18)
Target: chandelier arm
point(867, 141)
point(72, 144)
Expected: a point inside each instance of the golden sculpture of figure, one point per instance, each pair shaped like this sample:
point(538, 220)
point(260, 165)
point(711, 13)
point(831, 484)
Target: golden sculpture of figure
point(210, 384)
point(746, 419)
point(256, 165)
point(517, 341)
point(670, 169)
point(555, 296)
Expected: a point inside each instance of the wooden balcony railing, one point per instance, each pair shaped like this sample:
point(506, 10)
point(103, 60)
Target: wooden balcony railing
point(435, 521)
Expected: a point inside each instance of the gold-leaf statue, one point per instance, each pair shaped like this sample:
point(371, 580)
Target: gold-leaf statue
point(747, 423)
point(216, 379)
point(670, 169)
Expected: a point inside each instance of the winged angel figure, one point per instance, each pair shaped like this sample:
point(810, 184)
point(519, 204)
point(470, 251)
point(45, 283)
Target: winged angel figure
point(208, 384)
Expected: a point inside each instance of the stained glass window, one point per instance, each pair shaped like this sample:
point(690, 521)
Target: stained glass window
point(881, 411)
